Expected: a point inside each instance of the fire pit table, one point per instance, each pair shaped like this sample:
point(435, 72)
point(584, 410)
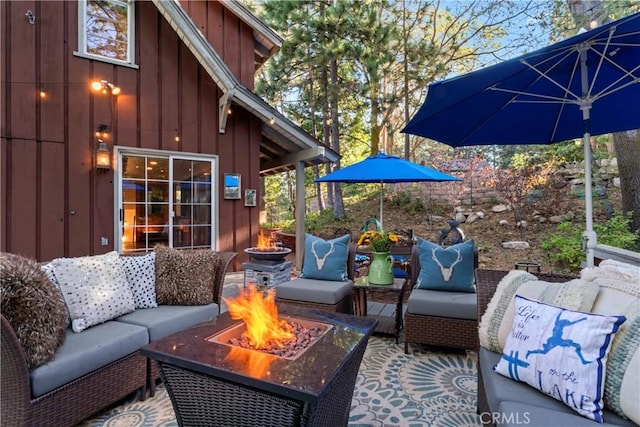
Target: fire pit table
point(214, 383)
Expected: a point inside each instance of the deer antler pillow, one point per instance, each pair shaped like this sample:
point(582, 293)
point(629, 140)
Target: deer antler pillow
point(325, 259)
point(446, 268)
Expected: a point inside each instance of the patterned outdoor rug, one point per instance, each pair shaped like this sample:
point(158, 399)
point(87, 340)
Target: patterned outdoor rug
point(425, 388)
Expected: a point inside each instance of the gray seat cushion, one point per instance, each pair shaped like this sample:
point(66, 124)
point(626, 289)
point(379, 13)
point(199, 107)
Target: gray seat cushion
point(86, 351)
point(457, 305)
point(513, 397)
point(316, 291)
point(500, 388)
point(519, 414)
point(165, 320)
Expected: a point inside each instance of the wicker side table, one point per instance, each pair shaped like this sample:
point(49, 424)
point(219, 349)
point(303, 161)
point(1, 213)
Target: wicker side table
point(386, 324)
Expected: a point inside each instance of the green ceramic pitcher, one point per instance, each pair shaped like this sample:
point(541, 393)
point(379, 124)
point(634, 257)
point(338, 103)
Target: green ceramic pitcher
point(381, 269)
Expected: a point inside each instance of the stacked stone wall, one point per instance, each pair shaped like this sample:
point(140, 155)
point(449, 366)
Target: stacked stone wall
point(471, 191)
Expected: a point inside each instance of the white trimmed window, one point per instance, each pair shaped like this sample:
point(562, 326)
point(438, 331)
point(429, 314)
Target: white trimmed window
point(166, 198)
point(106, 30)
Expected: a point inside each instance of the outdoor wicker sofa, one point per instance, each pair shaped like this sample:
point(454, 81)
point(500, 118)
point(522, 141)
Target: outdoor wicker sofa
point(503, 401)
point(95, 368)
point(70, 403)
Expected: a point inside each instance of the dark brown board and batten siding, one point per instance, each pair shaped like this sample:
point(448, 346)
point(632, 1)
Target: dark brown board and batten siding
point(53, 201)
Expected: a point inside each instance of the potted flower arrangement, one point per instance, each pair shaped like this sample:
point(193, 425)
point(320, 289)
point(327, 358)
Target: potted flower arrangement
point(381, 267)
point(379, 241)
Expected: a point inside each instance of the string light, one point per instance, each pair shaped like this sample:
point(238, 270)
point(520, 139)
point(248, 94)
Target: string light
point(105, 87)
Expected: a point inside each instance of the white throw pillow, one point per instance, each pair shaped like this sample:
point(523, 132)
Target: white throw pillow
point(48, 270)
point(141, 275)
point(562, 353)
point(620, 294)
point(95, 289)
point(495, 325)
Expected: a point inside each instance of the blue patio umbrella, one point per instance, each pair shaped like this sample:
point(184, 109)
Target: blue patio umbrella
point(588, 84)
point(385, 169)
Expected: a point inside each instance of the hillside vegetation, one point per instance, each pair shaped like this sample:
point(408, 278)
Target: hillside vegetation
point(403, 212)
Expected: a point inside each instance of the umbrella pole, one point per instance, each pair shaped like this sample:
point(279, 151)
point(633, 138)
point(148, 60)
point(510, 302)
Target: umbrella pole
point(589, 238)
point(381, 198)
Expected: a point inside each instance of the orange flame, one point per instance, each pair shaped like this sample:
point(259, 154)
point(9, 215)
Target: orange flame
point(264, 242)
point(260, 315)
point(255, 363)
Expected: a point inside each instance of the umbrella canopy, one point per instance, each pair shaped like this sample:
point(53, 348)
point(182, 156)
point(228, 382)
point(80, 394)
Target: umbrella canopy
point(383, 168)
point(585, 85)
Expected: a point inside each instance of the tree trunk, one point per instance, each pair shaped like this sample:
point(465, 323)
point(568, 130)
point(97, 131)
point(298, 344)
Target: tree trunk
point(406, 78)
point(326, 129)
point(314, 128)
point(627, 146)
point(375, 112)
point(338, 206)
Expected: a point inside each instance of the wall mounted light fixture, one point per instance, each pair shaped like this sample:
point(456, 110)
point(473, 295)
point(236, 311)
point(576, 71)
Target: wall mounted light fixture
point(102, 132)
point(103, 156)
point(105, 87)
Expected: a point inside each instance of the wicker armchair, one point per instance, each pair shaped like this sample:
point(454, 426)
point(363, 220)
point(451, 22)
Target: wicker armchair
point(436, 330)
point(345, 305)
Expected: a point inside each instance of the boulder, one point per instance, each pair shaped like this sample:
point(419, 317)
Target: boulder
point(555, 219)
point(515, 245)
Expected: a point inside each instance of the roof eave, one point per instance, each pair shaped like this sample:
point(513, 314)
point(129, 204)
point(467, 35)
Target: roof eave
point(310, 151)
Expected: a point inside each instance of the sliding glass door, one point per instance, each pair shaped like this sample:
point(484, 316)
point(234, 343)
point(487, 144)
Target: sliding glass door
point(166, 198)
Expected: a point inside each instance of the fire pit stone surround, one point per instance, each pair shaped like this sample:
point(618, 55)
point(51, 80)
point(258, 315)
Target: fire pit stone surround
point(267, 267)
point(208, 387)
point(268, 254)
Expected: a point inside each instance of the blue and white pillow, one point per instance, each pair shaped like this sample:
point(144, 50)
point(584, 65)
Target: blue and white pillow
point(446, 268)
point(562, 353)
point(325, 259)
